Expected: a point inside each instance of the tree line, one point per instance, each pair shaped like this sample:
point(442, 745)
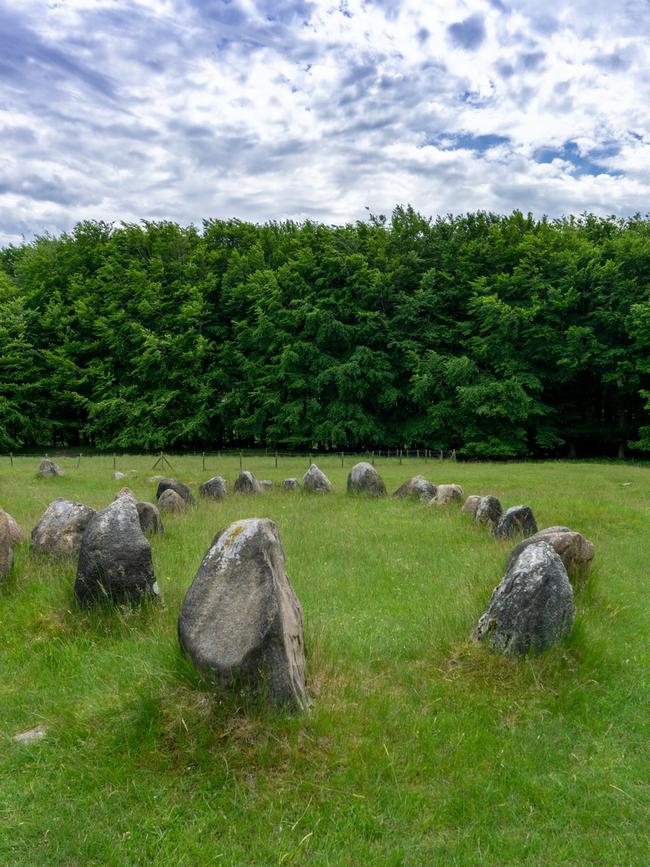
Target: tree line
point(497, 336)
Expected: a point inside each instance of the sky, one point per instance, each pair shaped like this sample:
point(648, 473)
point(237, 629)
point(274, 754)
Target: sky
point(310, 109)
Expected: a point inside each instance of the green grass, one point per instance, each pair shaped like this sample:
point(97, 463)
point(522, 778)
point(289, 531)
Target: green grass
point(420, 748)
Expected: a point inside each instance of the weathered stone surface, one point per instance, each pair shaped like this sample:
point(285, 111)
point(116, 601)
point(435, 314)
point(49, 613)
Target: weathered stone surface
point(6, 550)
point(363, 478)
point(179, 487)
point(471, 504)
point(316, 482)
point(215, 488)
point(15, 530)
point(48, 468)
point(447, 494)
point(124, 492)
point(532, 608)
point(290, 484)
point(150, 520)
point(517, 520)
point(118, 475)
point(61, 528)
point(115, 558)
point(170, 501)
point(241, 621)
point(489, 512)
point(418, 488)
point(246, 483)
point(574, 550)
point(34, 734)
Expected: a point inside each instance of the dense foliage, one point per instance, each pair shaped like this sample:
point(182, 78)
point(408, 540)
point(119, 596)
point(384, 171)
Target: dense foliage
point(494, 335)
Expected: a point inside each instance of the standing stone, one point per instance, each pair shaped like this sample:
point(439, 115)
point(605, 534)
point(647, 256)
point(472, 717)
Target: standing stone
point(174, 485)
point(363, 478)
point(290, 484)
point(124, 492)
point(489, 512)
point(447, 494)
point(316, 482)
point(246, 483)
point(61, 528)
point(150, 520)
point(471, 504)
point(532, 608)
point(240, 621)
point(48, 468)
point(417, 488)
point(115, 558)
point(215, 488)
point(15, 530)
point(517, 520)
point(574, 550)
point(170, 501)
point(6, 551)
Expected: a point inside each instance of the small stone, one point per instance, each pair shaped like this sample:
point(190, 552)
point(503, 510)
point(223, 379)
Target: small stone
point(316, 482)
point(517, 520)
point(6, 550)
point(574, 550)
point(61, 528)
point(115, 558)
point(150, 520)
point(15, 530)
point(34, 734)
point(179, 487)
point(363, 478)
point(417, 488)
point(48, 468)
point(532, 608)
point(170, 501)
point(246, 483)
point(215, 488)
point(290, 484)
point(447, 494)
point(119, 475)
point(489, 512)
point(265, 484)
point(241, 621)
point(471, 504)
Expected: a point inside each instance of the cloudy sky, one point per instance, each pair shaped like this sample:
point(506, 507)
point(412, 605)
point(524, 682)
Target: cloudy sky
point(272, 109)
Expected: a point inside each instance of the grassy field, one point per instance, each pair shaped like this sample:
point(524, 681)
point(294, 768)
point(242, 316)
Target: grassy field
point(421, 748)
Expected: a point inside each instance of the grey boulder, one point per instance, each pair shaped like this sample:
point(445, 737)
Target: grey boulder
point(363, 478)
point(15, 530)
point(48, 468)
point(471, 504)
point(447, 494)
point(215, 488)
point(290, 484)
point(115, 558)
point(417, 488)
point(150, 520)
point(532, 608)
point(61, 528)
point(240, 621)
point(516, 521)
point(124, 492)
point(489, 512)
point(574, 550)
point(170, 501)
point(246, 483)
point(179, 487)
point(316, 482)
point(6, 550)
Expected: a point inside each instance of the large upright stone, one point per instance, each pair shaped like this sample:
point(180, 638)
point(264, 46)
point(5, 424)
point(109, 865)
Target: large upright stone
point(61, 528)
point(515, 521)
point(246, 483)
point(241, 621)
point(215, 488)
point(574, 550)
point(15, 530)
point(48, 468)
point(532, 608)
point(170, 501)
point(489, 512)
point(447, 494)
point(418, 488)
point(316, 482)
point(115, 558)
point(6, 550)
point(179, 487)
point(150, 520)
point(363, 478)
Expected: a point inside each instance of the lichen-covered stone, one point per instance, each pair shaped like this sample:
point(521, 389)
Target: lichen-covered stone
point(115, 558)
point(15, 530)
point(574, 550)
point(290, 484)
point(124, 492)
point(447, 494)
point(174, 485)
point(48, 468)
point(489, 512)
point(61, 528)
point(316, 482)
point(215, 488)
point(471, 504)
point(517, 520)
point(418, 488)
point(6, 549)
point(246, 483)
point(170, 501)
point(532, 608)
point(363, 478)
point(150, 520)
point(240, 621)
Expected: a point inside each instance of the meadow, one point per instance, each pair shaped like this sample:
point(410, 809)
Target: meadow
point(421, 747)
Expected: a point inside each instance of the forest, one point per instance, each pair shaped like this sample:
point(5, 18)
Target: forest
point(499, 336)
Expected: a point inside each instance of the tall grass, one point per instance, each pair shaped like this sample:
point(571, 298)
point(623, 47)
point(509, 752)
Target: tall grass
point(420, 746)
